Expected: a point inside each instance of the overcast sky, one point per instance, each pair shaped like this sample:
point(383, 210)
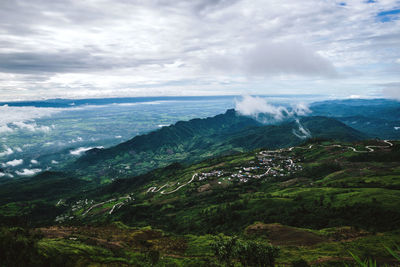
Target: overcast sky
point(100, 48)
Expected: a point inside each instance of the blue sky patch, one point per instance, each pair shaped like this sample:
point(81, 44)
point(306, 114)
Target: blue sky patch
point(386, 16)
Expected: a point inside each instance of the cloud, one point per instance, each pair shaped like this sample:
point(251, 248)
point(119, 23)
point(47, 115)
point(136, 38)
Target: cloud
point(302, 132)
point(34, 161)
point(78, 139)
point(54, 162)
point(5, 129)
point(80, 150)
point(2, 174)
point(67, 62)
point(82, 49)
point(252, 106)
point(28, 172)
point(259, 108)
point(33, 127)
point(22, 117)
point(392, 90)
point(301, 109)
point(8, 151)
point(13, 163)
point(271, 58)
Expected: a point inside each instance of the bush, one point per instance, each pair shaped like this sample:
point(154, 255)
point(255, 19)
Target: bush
point(255, 253)
point(249, 253)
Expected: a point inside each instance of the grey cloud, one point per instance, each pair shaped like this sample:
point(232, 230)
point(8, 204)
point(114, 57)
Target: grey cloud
point(269, 58)
point(392, 90)
point(23, 17)
point(64, 61)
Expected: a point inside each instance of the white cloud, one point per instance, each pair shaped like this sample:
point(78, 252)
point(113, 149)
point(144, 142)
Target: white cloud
point(54, 162)
point(18, 149)
point(28, 172)
point(33, 127)
point(252, 106)
point(301, 109)
point(78, 139)
point(80, 150)
point(6, 152)
point(22, 117)
point(2, 174)
point(5, 129)
point(259, 108)
point(34, 161)
point(302, 132)
point(13, 163)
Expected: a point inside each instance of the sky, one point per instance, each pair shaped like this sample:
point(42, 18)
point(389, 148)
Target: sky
point(120, 48)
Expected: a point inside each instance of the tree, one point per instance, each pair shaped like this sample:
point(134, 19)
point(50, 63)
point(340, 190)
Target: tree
point(256, 253)
point(225, 249)
point(153, 256)
point(18, 247)
point(249, 253)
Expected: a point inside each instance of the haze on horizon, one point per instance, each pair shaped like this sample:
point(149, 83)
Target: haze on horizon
point(119, 48)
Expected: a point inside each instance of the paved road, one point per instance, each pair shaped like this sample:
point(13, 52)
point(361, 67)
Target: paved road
point(179, 187)
point(369, 148)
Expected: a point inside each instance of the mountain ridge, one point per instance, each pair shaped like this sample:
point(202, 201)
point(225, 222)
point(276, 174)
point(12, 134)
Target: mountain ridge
point(197, 139)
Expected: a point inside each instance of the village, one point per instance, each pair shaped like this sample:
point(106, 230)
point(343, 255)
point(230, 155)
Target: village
point(269, 164)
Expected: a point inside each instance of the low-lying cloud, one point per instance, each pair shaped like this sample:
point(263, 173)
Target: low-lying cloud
point(33, 127)
point(7, 151)
point(23, 114)
point(5, 129)
point(80, 150)
point(13, 163)
point(260, 109)
point(28, 172)
point(302, 132)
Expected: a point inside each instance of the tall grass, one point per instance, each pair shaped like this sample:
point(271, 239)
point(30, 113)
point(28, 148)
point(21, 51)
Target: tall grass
point(372, 263)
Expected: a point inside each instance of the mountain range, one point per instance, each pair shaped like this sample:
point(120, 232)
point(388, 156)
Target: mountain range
point(306, 190)
point(197, 139)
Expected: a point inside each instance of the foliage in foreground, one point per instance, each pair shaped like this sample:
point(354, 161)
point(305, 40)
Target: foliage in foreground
point(248, 253)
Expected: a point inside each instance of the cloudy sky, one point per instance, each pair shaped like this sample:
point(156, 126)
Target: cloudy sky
point(102, 48)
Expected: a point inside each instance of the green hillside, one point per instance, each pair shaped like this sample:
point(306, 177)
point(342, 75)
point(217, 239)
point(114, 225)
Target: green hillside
point(198, 139)
point(316, 202)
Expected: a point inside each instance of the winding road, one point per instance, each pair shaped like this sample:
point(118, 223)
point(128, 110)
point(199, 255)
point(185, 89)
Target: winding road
point(179, 187)
point(118, 205)
point(370, 148)
point(154, 189)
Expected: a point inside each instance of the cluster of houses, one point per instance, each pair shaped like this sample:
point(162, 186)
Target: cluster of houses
point(268, 164)
point(204, 175)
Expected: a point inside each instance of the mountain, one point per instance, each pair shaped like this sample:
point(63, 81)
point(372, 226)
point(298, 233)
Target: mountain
point(375, 117)
point(199, 139)
point(288, 191)
point(373, 108)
